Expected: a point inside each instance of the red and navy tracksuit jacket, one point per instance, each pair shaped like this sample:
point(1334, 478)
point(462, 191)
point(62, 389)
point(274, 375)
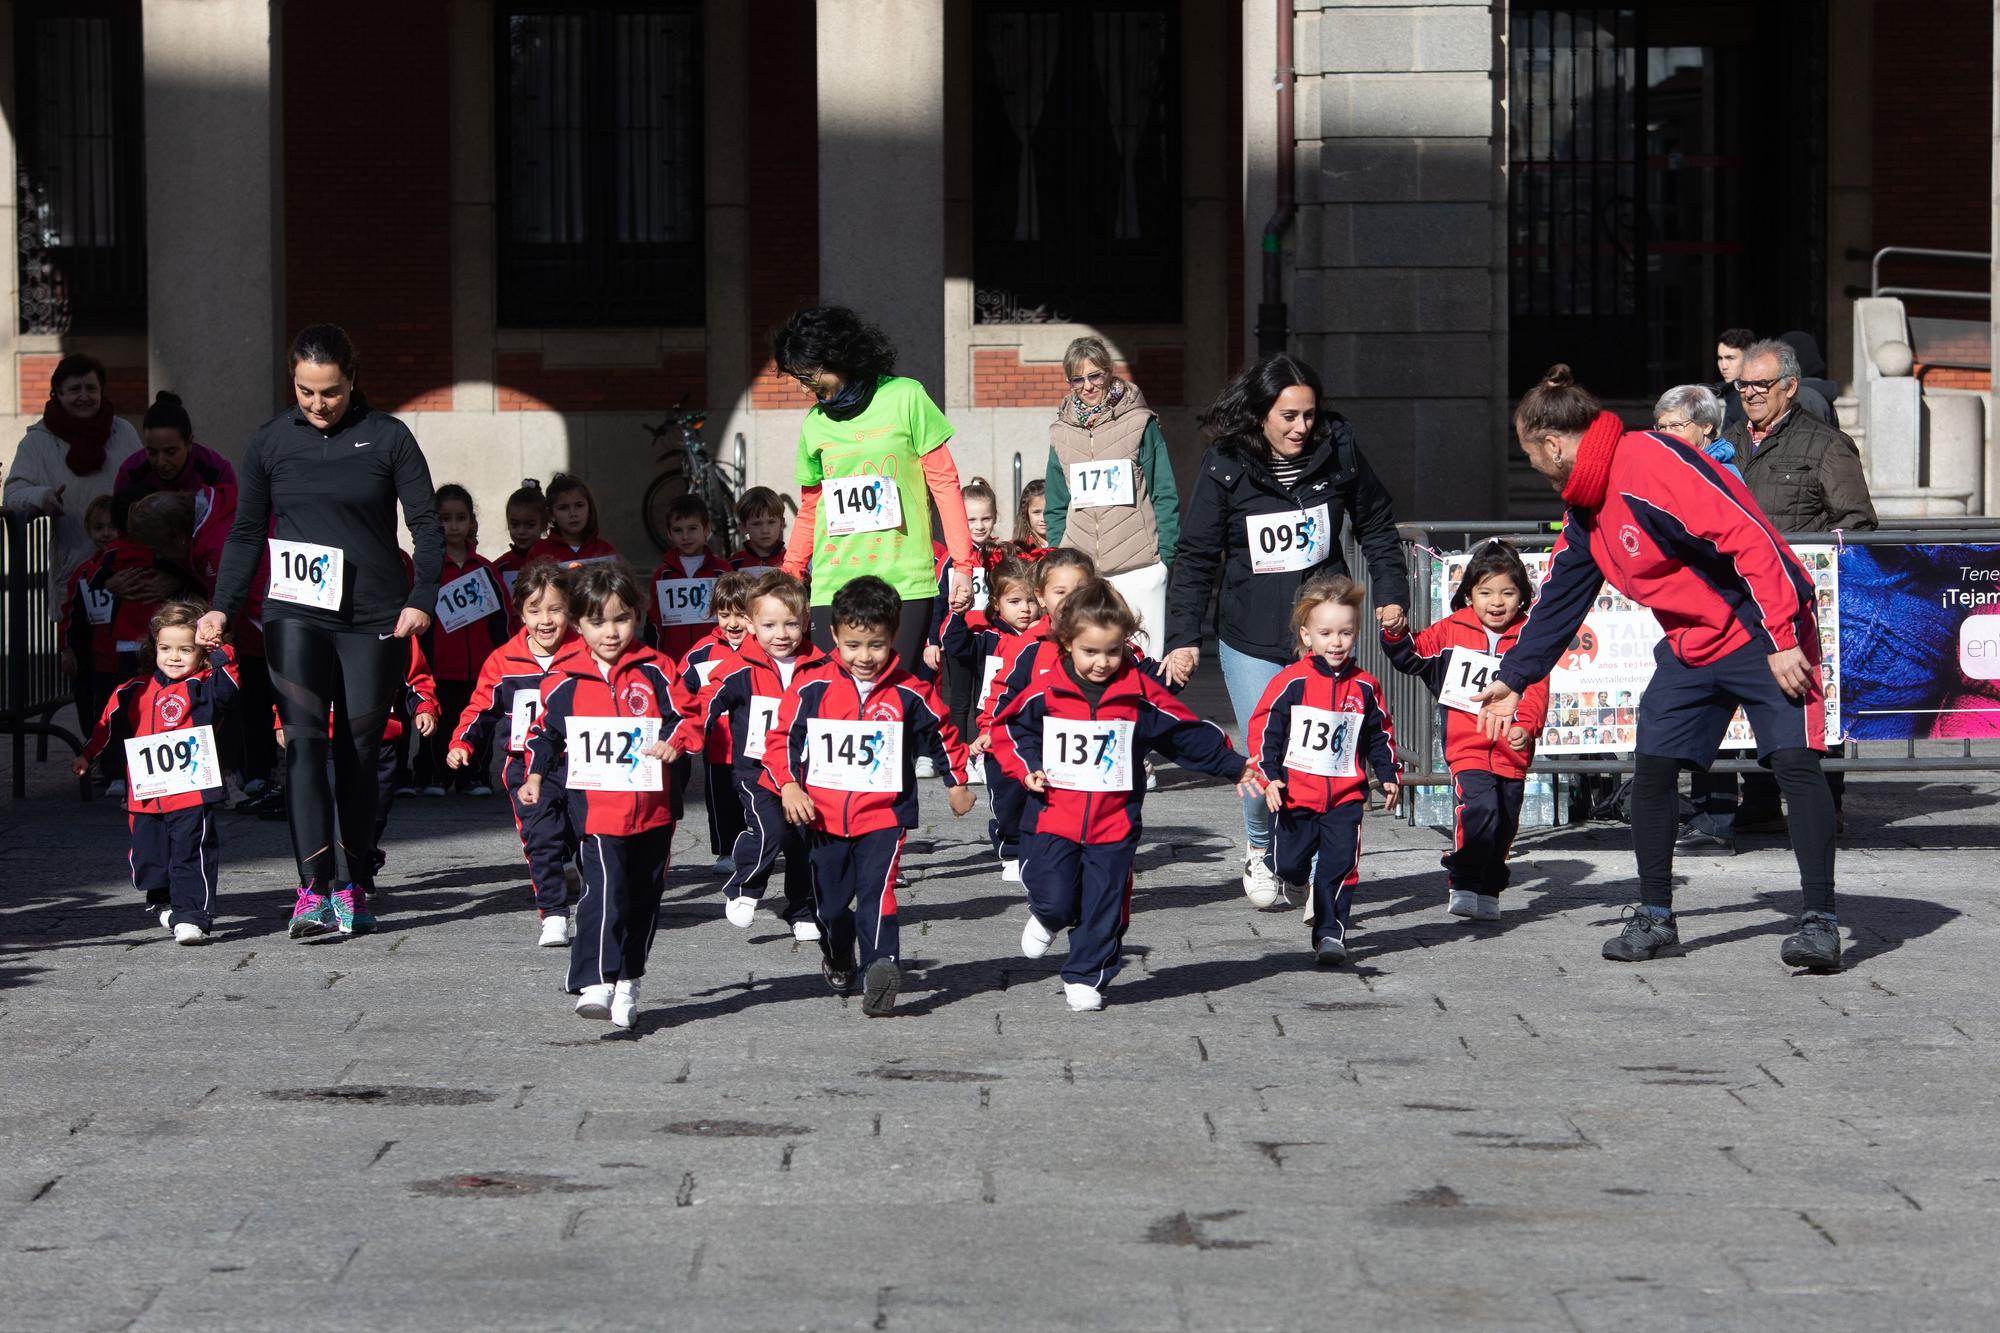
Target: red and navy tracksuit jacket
point(1032, 653)
point(982, 648)
point(174, 855)
point(695, 591)
point(511, 673)
point(983, 560)
point(747, 559)
point(509, 567)
point(94, 645)
point(131, 622)
point(725, 812)
point(566, 556)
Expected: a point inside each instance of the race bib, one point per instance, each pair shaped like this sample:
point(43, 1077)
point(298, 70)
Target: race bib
point(1087, 756)
point(527, 707)
point(1466, 673)
point(684, 601)
point(1098, 485)
point(604, 754)
point(757, 724)
point(305, 574)
point(1284, 543)
point(1323, 742)
point(172, 763)
point(861, 504)
point(854, 756)
point(987, 675)
point(507, 576)
point(979, 588)
point(98, 603)
point(465, 599)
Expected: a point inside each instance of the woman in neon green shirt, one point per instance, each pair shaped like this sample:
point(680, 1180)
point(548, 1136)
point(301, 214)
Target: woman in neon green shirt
point(873, 458)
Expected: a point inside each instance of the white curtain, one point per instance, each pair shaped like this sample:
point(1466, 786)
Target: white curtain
point(1023, 46)
point(1129, 50)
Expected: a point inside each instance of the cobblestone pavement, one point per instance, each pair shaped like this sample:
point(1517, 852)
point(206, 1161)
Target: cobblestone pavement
point(1471, 1127)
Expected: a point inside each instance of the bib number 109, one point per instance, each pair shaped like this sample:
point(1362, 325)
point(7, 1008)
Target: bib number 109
point(172, 763)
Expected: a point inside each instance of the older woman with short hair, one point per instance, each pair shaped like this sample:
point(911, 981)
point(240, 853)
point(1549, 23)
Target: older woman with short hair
point(1693, 413)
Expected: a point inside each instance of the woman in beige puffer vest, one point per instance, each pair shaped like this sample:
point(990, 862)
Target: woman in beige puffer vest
point(1110, 485)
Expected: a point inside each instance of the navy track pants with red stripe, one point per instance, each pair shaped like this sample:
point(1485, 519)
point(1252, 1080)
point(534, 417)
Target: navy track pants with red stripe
point(854, 895)
point(1323, 847)
point(175, 857)
point(1487, 815)
point(1086, 887)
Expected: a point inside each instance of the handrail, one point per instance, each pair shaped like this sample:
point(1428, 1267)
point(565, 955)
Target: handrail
point(1920, 252)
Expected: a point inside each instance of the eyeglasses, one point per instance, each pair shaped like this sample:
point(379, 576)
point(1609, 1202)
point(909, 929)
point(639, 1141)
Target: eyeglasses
point(809, 378)
point(1759, 387)
point(1673, 425)
point(1092, 380)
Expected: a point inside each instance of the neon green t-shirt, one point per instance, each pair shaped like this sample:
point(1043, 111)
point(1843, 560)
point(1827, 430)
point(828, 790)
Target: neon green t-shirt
point(887, 439)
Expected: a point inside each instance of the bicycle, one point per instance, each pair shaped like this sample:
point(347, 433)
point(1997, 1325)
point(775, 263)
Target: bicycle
point(687, 469)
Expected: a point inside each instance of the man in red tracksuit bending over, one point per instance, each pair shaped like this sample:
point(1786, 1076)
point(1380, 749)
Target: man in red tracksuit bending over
point(1682, 537)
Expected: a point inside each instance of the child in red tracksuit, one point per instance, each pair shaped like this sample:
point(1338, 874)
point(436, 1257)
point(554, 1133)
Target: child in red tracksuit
point(760, 517)
point(1319, 725)
point(572, 541)
point(89, 650)
point(982, 652)
point(740, 700)
point(471, 621)
point(1076, 739)
point(609, 712)
point(176, 775)
point(507, 700)
point(684, 584)
point(842, 760)
point(527, 520)
point(957, 674)
point(731, 600)
point(1456, 658)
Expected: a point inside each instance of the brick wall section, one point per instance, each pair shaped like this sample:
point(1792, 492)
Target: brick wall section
point(526, 385)
point(1000, 378)
point(784, 186)
point(367, 215)
point(125, 384)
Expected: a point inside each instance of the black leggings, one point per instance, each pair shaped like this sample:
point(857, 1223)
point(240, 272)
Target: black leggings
point(1808, 813)
point(911, 632)
point(355, 674)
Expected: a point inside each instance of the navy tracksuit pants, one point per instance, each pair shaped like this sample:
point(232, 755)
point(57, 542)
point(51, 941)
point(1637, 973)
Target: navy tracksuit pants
point(1324, 848)
point(547, 840)
point(1086, 887)
point(623, 877)
point(175, 856)
point(766, 836)
point(1488, 814)
point(854, 894)
point(725, 807)
point(1010, 803)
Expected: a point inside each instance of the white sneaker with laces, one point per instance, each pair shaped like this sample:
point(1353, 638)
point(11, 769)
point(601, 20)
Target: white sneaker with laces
point(1488, 909)
point(625, 1004)
point(187, 932)
point(1260, 886)
point(926, 766)
point(555, 931)
point(594, 1002)
point(805, 930)
point(1035, 938)
point(1010, 871)
point(1082, 999)
point(1462, 902)
point(741, 911)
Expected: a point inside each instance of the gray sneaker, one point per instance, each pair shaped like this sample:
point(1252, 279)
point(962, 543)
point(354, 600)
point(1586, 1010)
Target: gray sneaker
point(879, 988)
point(1816, 947)
point(1644, 936)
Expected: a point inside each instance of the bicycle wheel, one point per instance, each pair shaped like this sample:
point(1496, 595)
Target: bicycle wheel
point(668, 487)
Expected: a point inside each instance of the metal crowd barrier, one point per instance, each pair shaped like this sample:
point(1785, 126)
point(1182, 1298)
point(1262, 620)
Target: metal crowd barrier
point(33, 688)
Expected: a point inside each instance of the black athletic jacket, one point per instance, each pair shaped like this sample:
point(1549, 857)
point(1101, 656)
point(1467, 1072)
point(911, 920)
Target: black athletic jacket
point(1254, 613)
point(337, 489)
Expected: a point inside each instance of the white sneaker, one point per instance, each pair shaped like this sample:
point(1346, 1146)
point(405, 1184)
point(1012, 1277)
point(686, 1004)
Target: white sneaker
point(573, 879)
point(555, 931)
point(187, 932)
point(741, 911)
point(1152, 778)
point(1010, 871)
point(926, 766)
point(1260, 886)
point(1462, 902)
point(805, 930)
point(724, 865)
point(166, 918)
point(594, 1002)
point(1489, 907)
point(1082, 999)
point(1035, 938)
point(625, 1004)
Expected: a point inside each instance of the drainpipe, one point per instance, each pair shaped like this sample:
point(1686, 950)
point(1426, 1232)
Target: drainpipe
point(1271, 314)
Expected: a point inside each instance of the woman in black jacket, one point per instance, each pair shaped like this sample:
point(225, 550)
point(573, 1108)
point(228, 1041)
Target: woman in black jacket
point(1266, 512)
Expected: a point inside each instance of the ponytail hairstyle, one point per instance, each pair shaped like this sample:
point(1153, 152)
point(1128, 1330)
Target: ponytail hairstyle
point(1558, 405)
point(562, 483)
point(1495, 557)
point(980, 489)
point(168, 413)
point(1012, 571)
point(1024, 531)
point(325, 345)
point(1095, 605)
point(529, 496)
point(537, 577)
point(451, 490)
point(1336, 588)
point(1061, 557)
point(594, 584)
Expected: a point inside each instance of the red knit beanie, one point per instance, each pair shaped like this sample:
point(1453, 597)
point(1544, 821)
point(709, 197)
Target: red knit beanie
point(1593, 463)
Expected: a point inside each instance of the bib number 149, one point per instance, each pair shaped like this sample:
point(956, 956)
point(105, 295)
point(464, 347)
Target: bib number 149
point(1466, 675)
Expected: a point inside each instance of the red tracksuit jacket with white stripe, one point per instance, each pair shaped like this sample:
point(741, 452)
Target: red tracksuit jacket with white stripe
point(1679, 534)
point(895, 699)
point(1465, 746)
point(1159, 721)
point(1031, 654)
point(643, 683)
point(725, 704)
point(677, 640)
point(698, 667)
point(151, 704)
point(511, 670)
point(1311, 683)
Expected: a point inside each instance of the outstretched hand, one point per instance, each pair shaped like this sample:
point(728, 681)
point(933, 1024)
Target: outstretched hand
point(1499, 703)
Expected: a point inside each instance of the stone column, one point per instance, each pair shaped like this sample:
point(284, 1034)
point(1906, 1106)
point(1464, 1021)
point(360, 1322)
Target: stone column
point(881, 172)
point(214, 251)
point(1991, 496)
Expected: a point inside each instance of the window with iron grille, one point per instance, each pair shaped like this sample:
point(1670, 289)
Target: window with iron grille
point(1076, 132)
point(599, 134)
point(80, 152)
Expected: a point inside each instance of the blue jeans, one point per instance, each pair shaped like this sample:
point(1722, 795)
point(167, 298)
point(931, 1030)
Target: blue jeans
point(1245, 677)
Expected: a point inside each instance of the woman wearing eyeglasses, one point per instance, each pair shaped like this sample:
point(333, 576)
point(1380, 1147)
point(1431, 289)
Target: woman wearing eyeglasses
point(1110, 486)
point(1692, 412)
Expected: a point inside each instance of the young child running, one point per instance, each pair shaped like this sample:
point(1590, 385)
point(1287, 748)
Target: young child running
point(509, 696)
point(1456, 658)
point(609, 712)
point(1320, 724)
point(1010, 610)
point(572, 539)
point(527, 520)
point(684, 584)
point(760, 516)
point(1075, 739)
point(849, 735)
point(958, 674)
point(731, 599)
point(471, 621)
point(740, 701)
point(166, 718)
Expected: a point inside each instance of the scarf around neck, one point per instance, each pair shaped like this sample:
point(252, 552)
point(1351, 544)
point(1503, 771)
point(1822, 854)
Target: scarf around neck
point(1087, 415)
point(85, 436)
point(851, 401)
point(1592, 474)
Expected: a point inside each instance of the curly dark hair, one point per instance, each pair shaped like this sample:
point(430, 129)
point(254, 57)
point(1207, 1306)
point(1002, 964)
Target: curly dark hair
point(1237, 415)
point(833, 337)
